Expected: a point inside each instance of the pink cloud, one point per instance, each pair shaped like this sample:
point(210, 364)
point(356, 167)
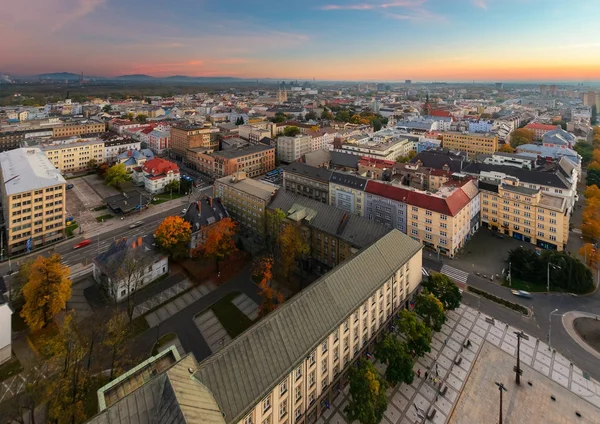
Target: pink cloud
point(375, 5)
point(482, 4)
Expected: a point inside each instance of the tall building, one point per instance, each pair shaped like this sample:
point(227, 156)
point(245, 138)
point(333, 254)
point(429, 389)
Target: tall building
point(75, 157)
point(290, 149)
point(473, 144)
point(185, 137)
point(307, 181)
point(254, 160)
point(33, 200)
point(591, 98)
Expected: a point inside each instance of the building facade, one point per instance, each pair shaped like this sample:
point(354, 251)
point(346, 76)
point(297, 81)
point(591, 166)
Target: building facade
point(307, 181)
point(67, 130)
point(155, 174)
point(184, 137)
point(347, 192)
point(254, 160)
point(202, 215)
point(290, 149)
point(112, 148)
point(75, 157)
point(33, 200)
point(473, 144)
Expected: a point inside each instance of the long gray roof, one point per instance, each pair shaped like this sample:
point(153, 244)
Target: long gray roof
point(321, 174)
point(247, 369)
point(552, 178)
point(355, 230)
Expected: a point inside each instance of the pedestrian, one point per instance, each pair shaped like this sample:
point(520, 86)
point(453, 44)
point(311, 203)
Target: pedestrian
point(436, 373)
point(435, 381)
point(419, 373)
point(426, 375)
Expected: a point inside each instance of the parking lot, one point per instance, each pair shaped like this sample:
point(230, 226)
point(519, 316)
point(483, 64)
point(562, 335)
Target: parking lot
point(99, 187)
point(80, 199)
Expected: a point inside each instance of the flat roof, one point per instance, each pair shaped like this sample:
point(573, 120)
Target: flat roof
point(255, 188)
point(27, 169)
point(237, 152)
point(70, 145)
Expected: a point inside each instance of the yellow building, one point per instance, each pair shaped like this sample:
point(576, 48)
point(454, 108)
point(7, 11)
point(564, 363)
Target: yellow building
point(33, 199)
point(470, 142)
point(71, 129)
point(75, 157)
point(525, 213)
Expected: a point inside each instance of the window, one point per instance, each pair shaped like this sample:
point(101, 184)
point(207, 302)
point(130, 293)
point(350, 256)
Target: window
point(298, 393)
point(336, 355)
point(311, 379)
point(345, 325)
point(267, 403)
point(311, 398)
point(346, 343)
point(336, 335)
point(283, 388)
point(298, 373)
point(311, 358)
point(282, 409)
point(324, 383)
point(324, 365)
point(298, 413)
point(248, 419)
point(324, 347)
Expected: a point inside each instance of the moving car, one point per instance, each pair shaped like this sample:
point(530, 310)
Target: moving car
point(184, 210)
point(82, 244)
point(522, 293)
point(69, 186)
point(136, 224)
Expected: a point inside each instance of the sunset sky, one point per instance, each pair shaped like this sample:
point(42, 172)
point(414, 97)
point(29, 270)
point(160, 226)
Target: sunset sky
point(387, 40)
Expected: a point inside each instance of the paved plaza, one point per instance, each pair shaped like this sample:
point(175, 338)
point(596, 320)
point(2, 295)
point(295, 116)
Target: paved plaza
point(454, 363)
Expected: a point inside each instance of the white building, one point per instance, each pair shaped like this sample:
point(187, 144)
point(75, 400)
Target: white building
point(158, 141)
point(114, 147)
point(290, 149)
point(482, 126)
point(5, 331)
point(155, 174)
point(372, 149)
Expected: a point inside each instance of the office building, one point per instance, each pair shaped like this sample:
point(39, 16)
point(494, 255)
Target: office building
point(472, 144)
point(346, 192)
point(307, 181)
point(78, 129)
point(33, 200)
point(185, 137)
point(76, 156)
point(253, 159)
point(290, 149)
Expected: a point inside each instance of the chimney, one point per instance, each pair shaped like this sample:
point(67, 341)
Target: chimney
point(210, 201)
point(199, 204)
point(133, 245)
point(139, 241)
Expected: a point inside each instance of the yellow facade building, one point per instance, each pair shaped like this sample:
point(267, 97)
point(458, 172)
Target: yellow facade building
point(75, 157)
point(71, 129)
point(33, 199)
point(471, 143)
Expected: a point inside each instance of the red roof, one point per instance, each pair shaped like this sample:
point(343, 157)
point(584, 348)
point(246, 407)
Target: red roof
point(440, 112)
point(378, 163)
point(450, 205)
point(158, 166)
point(538, 126)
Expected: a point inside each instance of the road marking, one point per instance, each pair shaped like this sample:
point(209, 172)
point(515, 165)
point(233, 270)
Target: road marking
point(455, 274)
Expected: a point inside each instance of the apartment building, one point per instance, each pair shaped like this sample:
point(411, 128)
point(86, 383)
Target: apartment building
point(539, 129)
point(307, 181)
point(80, 128)
point(332, 234)
point(15, 138)
point(441, 220)
point(254, 133)
point(202, 160)
point(33, 200)
point(246, 200)
point(387, 150)
point(184, 137)
point(253, 159)
point(472, 144)
point(290, 149)
point(158, 141)
point(155, 174)
point(347, 192)
point(524, 213)
point(112, 148)
point(243, 384)
point(375, 168)
point(75, 157)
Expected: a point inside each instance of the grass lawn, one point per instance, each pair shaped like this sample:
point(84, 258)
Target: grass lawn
point(517, 284)
point(71, 228)
point(140, 325)
point(100, 208)
point(232, 319)
point(104, 217)
point(164, 340)
point(10, 368)
point(165, 197)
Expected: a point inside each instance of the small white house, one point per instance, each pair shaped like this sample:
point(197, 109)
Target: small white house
point(5, 331)
point(127, 266)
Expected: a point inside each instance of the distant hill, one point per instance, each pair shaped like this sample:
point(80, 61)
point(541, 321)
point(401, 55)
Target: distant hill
point(134, 77)
point(69, 76)
point(185, 78)
point(59, 76)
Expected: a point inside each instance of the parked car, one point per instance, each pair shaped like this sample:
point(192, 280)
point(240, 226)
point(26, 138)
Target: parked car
point(136, 224)
point(69, 186)
point(183, 211)
point(82, 244)
point(522, 293)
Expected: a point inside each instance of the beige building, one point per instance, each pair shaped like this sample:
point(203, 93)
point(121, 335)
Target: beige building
point(33, 199)
point(347, 192)
point(290, 365)
point(471, 143)
point(68, 130)
point(185, 137)
point(75, 157)
point(246, 200)
point(525, 213)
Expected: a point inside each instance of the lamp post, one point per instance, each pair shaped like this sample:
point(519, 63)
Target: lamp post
point(550, 328)
point(518, 371)
point(501, 388)
point(548, 274)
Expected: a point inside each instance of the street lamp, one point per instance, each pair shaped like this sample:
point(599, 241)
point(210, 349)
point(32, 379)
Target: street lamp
point(501, 388)
point(550, 327)
point(518, 371)
point(548, 274)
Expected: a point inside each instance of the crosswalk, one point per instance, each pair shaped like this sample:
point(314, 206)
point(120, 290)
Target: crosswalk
point(454, 273)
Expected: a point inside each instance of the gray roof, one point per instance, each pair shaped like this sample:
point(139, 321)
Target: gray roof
point(559, 137)
point(201, 213)
point(355, 230)
point(352, 181)
point(26, 170)
point(247, 369)
point(237, 152)
point(320, 174)
point(344, 159)
point(317, 157)
point(552, 179)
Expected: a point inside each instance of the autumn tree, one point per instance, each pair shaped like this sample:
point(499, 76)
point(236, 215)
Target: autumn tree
point(292, 246)
point(590, 254)
point(291, 131)
point(506, 148)
point(367, 401)
point(219, 242)
point(141, 118)
point(46, 291)
point(395, 354)
point(173, 235)
point(521, 136)
point(271, 298)
point(418, 335)
point(431, 310)
point(116, 175)
point(592, 192)
point(118, 333)
point(274, 220)
point(590, 226)
point(442, 287)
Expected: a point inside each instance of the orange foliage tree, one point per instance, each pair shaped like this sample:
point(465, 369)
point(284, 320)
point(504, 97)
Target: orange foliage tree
point(271, 298)
point(505, 148)
point(46, 291)
point(591, 219)
point(592, 192)
point(292, 247)
point(173, 235)
point(591, 254)
point(219, 242)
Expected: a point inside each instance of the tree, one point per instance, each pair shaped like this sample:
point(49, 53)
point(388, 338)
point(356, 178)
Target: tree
point(46, 291)
point(591, 254)
point(271, 298)
point(102, 170)
point(219, 242)
point(442, 287)
point(396, 356)
point(367, 394)
point(590, 226)
point(376, 123)
point(343, 116)
point(172, 186)
point(106, 108)
point(407, 158)
point(310, 116)
point(130, 116)
point(291, 131)
point(278, 118)
point(118, 333)
point(506, 148)
point(355, 119)
point(585, 150)
point(92, 164)
point(173, 235)
point(148, 100)
point(594, 120)
point(274, 220)
point(592, 192)
point(431, 310)
point(292, 247)
point(141, 118)
point(561, 122)
point(116, 175)
point(521, 136)
point(418, 335)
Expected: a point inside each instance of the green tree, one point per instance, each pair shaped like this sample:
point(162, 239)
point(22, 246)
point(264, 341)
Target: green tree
point(431, 310)
point(130, 116)
point(172, 186)
point(367, 394)
point(521, 136)
point(310, 116)
point(442, 287)
point(92, 164)
point(418, 335)
point(326, 115)
point(376, 123)
point(343, 116)
point(291, 131)
point(274, 220)
point(395, 354)
point(141, 118)
point(585, 150)
point(116, 175)
point(106, 108)
point(278, 118)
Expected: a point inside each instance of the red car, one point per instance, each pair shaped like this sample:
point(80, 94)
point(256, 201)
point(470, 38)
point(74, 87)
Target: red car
point(82, 244)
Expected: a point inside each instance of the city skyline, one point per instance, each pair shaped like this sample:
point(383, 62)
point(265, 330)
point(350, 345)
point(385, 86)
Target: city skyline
point(390, 40)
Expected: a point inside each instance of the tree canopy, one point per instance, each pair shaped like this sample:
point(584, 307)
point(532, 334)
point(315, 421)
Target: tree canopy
point(116, 175)
point(396, 355)
point(219, 242)
point(291, 131)
point(292, 247)
point(173, 235)
point(271, 297)
point(431, 310)
point(367, 394)
point(418, 335)
point(506, 148)
point(521, 136)
point(442, 287)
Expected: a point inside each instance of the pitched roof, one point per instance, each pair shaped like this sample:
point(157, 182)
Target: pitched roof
point(110, 261)
point(344, 159)
point(244, 371)
point(355, 230)
point(439, 158)
point(308, 171)
point(347, 180)
point(158, 166)
point(205, 212)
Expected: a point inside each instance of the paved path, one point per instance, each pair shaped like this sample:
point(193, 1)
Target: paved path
point(247, 306)
point(78, 302)
point(447, 347)
point(162, 297)
point(213, 332)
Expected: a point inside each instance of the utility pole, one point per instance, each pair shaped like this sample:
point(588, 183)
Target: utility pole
point(501, 388)
point(548, 275)
point(509, 276)
point(518, 371)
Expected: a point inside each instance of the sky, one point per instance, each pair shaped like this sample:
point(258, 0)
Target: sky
point(374, 40)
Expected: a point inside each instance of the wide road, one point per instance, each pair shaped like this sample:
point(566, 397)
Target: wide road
point(538, 325)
